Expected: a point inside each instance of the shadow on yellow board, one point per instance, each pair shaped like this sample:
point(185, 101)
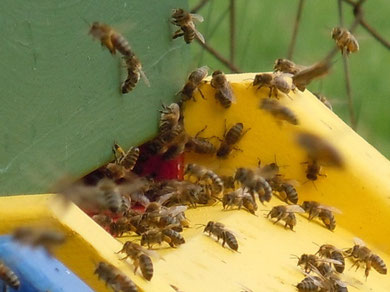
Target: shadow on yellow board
point(264, 261)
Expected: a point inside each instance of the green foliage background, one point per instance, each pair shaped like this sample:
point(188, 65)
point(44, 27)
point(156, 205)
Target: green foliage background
point(264, 30)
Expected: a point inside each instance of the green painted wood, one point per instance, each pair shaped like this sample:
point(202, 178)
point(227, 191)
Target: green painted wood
point(61, 108)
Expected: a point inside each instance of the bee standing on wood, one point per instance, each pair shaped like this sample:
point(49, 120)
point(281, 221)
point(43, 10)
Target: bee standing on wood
point(279, 111)
point(193, 82)
point(331, 252)
point(8, 277)
point(287, 66)
point(219, 231)
point(325, 213)
point(140, 258)
point(230, 138)
point(286, 213)
point(275, 83)
point(223, 90)
point(185, 21)
point(345, 40)
point(362, 254)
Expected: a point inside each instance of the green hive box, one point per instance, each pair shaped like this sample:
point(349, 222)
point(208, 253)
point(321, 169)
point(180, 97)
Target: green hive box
point(61, 107)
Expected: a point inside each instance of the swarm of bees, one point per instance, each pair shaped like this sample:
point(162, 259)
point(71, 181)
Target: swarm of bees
point(113, 196)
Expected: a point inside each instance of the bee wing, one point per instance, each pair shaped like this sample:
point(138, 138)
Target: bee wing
point(144, 78)
point(330, 261)
point(330, 208)
point(197, 17)
point(162, 199)
point(294, 209)
point(228, 93)
point(174, 211)
point(197, 33)
point(359, 241)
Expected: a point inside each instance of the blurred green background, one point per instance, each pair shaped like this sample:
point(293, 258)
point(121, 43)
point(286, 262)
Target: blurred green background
point(263, 33)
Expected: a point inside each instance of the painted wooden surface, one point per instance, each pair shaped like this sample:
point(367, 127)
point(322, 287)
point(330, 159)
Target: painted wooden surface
point(61, 108)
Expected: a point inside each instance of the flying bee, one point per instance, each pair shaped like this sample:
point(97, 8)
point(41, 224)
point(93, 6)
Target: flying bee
point(287, 66)
point(126, 159)
point(223, 90)
point(240, 199)
point(219, 230)
point(193, 82)
point(140, 258)
point(110, 39)
point(230, 138)
point(279, 111)
point(303, 78)
point(325, 213)
point(362, 254)
point(285, 213)
point(201, 173)
point(324, 100)
point(345, 40)
point(39, 236)
point(274, 82)
point(185, 21)
point(134, 73)
point(8, 277)
point(331, 252)
point(256, 184)
point(113, 277)
point(320, 150)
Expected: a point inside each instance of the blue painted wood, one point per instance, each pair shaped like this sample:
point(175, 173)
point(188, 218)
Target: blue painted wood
point(37, 270)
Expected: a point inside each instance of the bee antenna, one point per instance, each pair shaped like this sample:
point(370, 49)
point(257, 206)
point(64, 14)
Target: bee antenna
point(294, 256)
point(86, 21)
point(315, 243)
point(199, 225)
point(314, 185)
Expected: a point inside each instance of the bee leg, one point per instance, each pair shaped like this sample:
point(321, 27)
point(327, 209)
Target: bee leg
point(223, 239)
point(367, 270)
point(201, 94)
point(277, 220)
point(136, 264)
point(177, 34)
point(201, 131)
point(270, 92)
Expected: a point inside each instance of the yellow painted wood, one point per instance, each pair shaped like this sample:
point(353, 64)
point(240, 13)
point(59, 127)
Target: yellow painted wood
point(264, 261)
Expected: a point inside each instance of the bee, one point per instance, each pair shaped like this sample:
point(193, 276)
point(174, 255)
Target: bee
point(287, 192)
point(218, 230)
point(274, 82)
point(279, 111)
point(203, 174)
point(286, 213)
point(177, 147)
point(254, 183)
point(287, 66)
point(223, 90)
point(102, 219)
point(303, 78)
point(200, 145)
point(170, 116)
point(134, 73)
point(362, 254)
point(140, 258)
point(126, 159)
point(230, 138)
point(345, 40)
point(240, 199)
point(331, 252)
point(324, 100)
point(308, 261)
point(115, 172)
point(8, 277)
point(325, 213)
point(193, 82)
point(185, 21)
point(39, 236)
point(179, 192)
point(114, 278)
point(157, 235)
point(120, 226)
point(228, 182)
point(110, 195)
point(320, 150)
point(328, 282)
point(110, 39)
